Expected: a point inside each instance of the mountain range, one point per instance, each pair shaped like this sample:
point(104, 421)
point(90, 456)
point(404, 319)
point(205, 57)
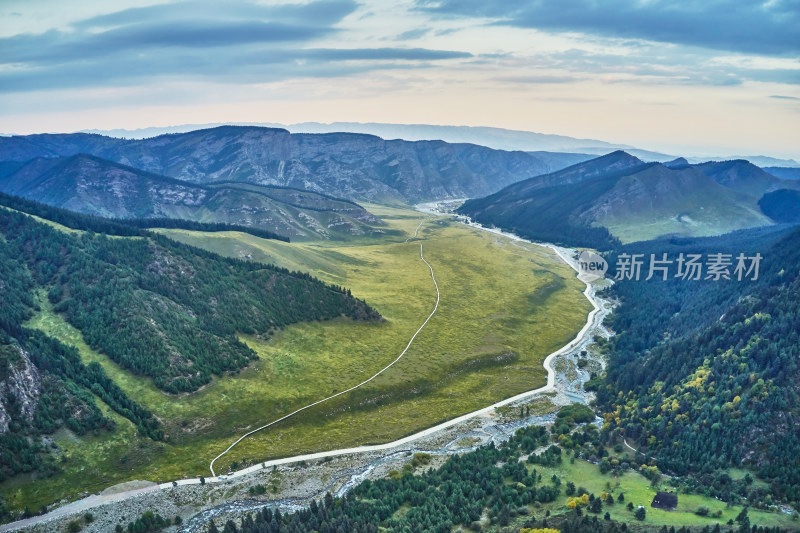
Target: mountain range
point(290, 184)
point(786, 173)
point(618, 196)
point(353, 166)
point(96, 186)
point(498, 138)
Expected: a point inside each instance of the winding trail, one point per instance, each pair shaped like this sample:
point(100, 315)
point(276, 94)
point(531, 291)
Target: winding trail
point(593, 321)
point(625, 441)
point(384, 369)
point(421, 220)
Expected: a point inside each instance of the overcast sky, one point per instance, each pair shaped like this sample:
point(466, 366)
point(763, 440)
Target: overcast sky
point(696, 77)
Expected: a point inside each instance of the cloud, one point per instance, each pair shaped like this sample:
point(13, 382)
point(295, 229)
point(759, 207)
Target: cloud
point(373, 54)
point(767, 28)
point(413, 34)
point(319, 12)
point(539, 79)
point(245, 65)
point(650, 66)
point(58, 47)
point(782, 97)
point(245, 43)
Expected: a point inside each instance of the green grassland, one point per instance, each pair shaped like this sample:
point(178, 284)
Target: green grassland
point(504, 307)
point(704, 213)
point(639, 491)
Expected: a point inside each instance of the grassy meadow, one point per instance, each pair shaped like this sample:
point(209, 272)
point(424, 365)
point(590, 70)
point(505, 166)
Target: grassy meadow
point(638, 490)
point(504, 307)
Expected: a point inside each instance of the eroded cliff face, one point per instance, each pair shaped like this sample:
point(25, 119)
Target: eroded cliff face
point(344, 165)
point(96, 186)
point(20, 386)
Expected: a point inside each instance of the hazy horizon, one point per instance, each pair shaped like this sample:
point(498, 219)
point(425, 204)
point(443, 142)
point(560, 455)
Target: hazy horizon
point(719, 78)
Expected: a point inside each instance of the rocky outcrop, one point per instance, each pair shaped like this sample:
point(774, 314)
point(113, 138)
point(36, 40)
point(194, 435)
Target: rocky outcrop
point(20, 386)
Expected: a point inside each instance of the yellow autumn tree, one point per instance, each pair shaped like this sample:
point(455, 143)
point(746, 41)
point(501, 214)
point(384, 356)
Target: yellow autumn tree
point(578, 501)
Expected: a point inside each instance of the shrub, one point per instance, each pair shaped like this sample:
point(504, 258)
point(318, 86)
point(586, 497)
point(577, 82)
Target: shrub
point(640, 513)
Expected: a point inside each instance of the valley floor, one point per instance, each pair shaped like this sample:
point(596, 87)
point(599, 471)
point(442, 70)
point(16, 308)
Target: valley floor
point(294, 482)
point(504, 308)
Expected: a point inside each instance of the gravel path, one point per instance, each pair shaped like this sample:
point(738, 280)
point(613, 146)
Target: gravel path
point(362, 461)
point(384, 369)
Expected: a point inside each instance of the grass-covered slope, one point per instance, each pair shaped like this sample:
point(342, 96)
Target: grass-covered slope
point(618, 198)
point(164, 310)
point(703, 374)
point(161, 310)
point(659, 201)
point(504, 308)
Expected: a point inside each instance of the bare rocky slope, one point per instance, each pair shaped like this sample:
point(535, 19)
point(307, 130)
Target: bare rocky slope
point(345, 165)
point(95, 186)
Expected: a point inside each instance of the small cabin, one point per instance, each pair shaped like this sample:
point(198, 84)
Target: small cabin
point(665, 500)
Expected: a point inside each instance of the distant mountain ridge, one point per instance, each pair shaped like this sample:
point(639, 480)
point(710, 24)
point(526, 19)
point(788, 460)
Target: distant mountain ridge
point(95, 186)
point(618, 196)
point(741, 176)
point(785, 173)
point(354, 166)
point(497, 138)
point(229, 174)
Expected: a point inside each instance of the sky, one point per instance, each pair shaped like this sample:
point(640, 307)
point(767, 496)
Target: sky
point(709, 77)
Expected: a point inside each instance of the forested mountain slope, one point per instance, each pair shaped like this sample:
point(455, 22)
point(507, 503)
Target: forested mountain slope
point(44, 385)
point(704, 374)
point(157, 308)
point(782, 205)
point(96, 186)
point(508, 488)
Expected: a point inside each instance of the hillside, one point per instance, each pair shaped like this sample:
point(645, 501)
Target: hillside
point(91, 185)
point(617, 196)
point(743, 177)
point(703, 374)
point(782, 205)
point(546, 208)
point(157, 308)
point(43, 382)
point(660, 201)
point(354, 166)
point(786, 173)
point(166, 310)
